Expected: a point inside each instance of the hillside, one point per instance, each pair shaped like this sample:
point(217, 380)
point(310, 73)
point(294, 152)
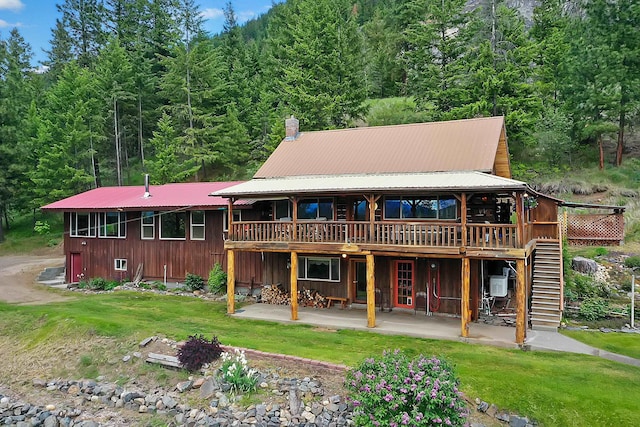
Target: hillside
point(145, 90)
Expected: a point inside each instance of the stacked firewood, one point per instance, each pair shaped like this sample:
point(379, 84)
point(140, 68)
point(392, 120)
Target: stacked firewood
point(275, 294)
point(311, 298)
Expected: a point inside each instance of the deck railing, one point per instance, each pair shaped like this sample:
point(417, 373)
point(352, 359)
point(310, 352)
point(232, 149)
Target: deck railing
point(492, 235)
point(435, 234)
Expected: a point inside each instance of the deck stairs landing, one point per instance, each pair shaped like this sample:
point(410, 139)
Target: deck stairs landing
point(546, 299)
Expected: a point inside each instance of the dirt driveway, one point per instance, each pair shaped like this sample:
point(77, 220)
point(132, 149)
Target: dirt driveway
point(18, 275)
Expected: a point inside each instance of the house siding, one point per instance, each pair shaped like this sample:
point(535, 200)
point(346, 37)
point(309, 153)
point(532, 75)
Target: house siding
point(180, 256)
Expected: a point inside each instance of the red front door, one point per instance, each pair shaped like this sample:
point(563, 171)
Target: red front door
point(76, 268)
point(404, 284)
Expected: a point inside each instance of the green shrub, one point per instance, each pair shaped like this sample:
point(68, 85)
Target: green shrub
point(217, 280)
point(193, 282)
point(98, 284)
point(581, 285)
point(236, 372)
point(593, 309)
point(159, 286)
point(632, 262)
point(395, 390)
point(42, 227)
point(197, 351)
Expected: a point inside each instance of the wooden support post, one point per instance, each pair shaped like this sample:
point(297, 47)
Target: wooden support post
point(294, 219)
point(231, 282)
point(230, 235)
point(371, 292)
point(463, 219)
point(294, 286)
point(372, 216)
point(520, 220)
point(465, 298)
point(521, 315)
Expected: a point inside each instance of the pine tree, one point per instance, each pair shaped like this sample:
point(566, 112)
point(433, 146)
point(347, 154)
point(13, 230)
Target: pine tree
point(316, 63)
point(15, 98)
point(70, 124)
point(116, 82)
point(170, 162)
point(437, 50)
point(500, 67)
point(60, 52)
point(612, 80)
point(83, 20)
point(196, 104)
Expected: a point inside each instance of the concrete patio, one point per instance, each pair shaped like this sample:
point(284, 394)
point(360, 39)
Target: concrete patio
point(419, 325)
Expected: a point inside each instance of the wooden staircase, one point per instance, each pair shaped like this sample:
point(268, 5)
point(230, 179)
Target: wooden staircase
point(546, 299)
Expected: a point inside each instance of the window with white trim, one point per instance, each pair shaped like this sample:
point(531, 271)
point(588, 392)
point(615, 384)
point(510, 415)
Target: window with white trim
point(82, 224)
point(148, 225)
point(120, 264)
point(173, 225)
point(112, 225)
point(237, 217)
point(420, 208)
point(319, 268)
point(197, 225)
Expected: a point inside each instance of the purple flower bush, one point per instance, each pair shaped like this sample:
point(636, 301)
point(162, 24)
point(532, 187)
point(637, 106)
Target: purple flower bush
point(397, 391)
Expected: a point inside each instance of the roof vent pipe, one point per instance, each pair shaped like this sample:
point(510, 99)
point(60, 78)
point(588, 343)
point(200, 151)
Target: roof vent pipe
point(146, 186)
point(292, 128)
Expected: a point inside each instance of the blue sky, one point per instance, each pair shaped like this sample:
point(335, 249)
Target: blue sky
point(35, 18)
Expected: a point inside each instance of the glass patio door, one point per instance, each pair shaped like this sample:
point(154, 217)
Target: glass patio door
point(359, 268)
point(404, 286)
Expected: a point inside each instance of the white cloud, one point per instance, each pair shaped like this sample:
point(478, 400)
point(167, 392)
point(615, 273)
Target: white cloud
point(14, 5)
point(246, 15)
point(210, 13)
point(5, 24)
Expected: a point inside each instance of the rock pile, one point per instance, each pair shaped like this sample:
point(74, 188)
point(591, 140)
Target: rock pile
point(307, 405)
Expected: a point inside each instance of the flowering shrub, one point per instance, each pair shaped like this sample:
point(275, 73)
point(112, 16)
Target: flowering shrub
point(395, 391)
point(236, 373)
point(197, 351)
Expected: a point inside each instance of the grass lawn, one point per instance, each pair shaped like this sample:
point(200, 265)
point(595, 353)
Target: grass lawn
point(615, 342)
point(555, 389)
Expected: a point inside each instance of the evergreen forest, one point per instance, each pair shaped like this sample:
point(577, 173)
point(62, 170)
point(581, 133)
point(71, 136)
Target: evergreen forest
point(137, 86)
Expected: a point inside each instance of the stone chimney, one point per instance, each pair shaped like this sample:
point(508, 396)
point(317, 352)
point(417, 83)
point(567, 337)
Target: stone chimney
point(292, 126)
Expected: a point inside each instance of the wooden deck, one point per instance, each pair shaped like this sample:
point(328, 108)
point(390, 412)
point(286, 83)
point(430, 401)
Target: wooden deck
point(445, 237)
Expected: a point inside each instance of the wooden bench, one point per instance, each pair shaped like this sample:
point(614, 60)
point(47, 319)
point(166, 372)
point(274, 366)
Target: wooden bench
point(331, 300)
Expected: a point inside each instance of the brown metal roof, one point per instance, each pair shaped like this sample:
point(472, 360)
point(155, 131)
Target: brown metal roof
point(460, 145)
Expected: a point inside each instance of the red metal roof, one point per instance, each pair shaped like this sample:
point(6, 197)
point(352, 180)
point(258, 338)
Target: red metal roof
point(195, 194)
point(458, 145)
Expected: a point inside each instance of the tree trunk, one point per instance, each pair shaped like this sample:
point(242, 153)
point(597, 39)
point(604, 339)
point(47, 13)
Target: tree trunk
point(117, 139)
point(93, 162)
point(5, 211)
point(96, 168)
point(620, 146)
point(1, 228)
point(601, 148)
point(140, 140)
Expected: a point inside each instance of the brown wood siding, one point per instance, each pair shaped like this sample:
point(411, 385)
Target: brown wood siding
point(276, 272)
point(546, 211)
point(502, 165)
point(180, 256)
